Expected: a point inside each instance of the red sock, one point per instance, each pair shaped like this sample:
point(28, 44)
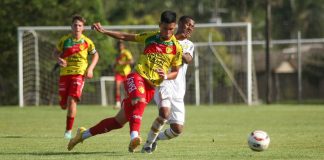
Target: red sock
point(104, 126)
point(117, 98)
point(136, 116)
point(69, 123)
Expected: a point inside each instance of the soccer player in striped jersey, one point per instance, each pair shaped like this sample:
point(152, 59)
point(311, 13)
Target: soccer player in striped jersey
point(71, 53)
point(122, 68)
point(161, 52)
point(169, 95)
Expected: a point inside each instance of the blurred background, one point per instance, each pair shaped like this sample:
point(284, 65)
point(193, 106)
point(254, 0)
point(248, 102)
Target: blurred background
point(292, 72)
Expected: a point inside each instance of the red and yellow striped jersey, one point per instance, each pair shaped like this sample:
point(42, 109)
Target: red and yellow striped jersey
point(124, 56)
point(158, 54)
point(75, 52)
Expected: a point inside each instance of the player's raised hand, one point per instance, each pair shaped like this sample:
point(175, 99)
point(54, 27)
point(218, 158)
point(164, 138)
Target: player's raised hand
point(97, 26)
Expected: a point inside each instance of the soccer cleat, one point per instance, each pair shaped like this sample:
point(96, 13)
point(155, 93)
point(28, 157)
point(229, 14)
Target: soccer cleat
point(68, 135)
point(134, 143)
point(147, 150)
point(77, 139)
point(154, 146)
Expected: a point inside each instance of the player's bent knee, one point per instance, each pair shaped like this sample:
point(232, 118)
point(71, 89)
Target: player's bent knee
point(164, 112)
point(177, 128)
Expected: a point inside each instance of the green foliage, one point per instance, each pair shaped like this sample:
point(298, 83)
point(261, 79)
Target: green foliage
point(34, 13)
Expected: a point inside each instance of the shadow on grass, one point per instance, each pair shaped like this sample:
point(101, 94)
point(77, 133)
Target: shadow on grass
point(62, 153)
point(12, 137)
point(16, 136)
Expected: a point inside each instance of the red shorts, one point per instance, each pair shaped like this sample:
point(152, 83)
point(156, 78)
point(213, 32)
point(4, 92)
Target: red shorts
point(137, 87)
point(119, 77)
point(70, 85)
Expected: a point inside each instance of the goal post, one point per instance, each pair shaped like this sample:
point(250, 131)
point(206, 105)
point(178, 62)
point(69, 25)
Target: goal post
point(232, 41)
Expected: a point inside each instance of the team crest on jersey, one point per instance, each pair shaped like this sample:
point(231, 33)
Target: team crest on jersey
point(168, 50)
point(82, 47)
point(141, 89)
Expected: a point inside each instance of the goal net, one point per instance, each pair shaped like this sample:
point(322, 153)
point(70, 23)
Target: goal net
point(222, 71)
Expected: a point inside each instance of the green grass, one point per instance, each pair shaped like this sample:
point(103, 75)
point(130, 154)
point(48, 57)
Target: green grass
point(211, 132)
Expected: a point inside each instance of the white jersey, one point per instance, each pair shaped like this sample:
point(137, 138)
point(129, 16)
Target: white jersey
point(178, 85)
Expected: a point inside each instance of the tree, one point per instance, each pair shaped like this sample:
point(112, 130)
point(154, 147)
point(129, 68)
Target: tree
point(33, 13)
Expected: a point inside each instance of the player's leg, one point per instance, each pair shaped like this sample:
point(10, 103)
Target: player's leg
point(139, 94)
point(64, 84)
point(63, 91)
point(176, 120)
point(74, 89)
point(163, 99)
point(135, 112)
point(118, 82)
point(71, 113)
point(104, 126)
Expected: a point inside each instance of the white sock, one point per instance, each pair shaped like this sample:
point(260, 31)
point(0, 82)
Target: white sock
point(133, 134)
point(167, 134)
point(155, 129)
point(69, 131)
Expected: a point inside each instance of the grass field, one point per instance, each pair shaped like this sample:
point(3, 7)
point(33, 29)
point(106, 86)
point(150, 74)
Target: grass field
point(211, 132)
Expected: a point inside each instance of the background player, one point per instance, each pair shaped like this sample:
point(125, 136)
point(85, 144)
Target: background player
point(161, 52)
point(71, 53)
point(169, 96)
point(122, 68)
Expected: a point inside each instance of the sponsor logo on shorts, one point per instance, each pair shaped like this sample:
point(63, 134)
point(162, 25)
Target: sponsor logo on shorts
point(82, 47)
point(141, 89)
point(131, 85)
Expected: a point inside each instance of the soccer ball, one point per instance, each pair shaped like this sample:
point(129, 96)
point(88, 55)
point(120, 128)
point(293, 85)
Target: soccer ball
point(258, 140)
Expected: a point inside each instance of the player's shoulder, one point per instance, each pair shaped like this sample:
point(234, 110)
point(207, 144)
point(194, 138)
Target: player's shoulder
point(187, 42)
point(177, 44)
point(87, 39)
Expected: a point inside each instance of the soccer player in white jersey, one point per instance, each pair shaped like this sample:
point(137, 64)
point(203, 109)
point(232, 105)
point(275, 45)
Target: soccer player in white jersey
point(169, 96)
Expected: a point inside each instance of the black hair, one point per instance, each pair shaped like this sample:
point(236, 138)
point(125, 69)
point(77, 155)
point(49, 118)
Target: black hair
point(168, 17)
point(119, 42)
point(185, 18)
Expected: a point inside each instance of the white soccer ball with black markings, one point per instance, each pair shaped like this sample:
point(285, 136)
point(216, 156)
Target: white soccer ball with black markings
point(258, 140)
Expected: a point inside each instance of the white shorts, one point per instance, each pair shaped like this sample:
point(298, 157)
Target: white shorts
point(163, 97)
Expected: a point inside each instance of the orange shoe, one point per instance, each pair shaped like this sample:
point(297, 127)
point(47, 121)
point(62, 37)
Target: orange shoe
point(134, 143)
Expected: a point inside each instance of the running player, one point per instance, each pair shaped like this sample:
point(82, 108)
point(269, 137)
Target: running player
point(169, 96)
point(122, 68)
point(71, 53)
point(161, 51)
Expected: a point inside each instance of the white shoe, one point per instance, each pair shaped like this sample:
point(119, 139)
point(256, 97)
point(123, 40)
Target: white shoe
point(118, 105)
point(68, 134)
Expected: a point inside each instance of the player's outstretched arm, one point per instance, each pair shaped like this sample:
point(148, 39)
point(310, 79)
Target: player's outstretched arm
point(115, 34)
